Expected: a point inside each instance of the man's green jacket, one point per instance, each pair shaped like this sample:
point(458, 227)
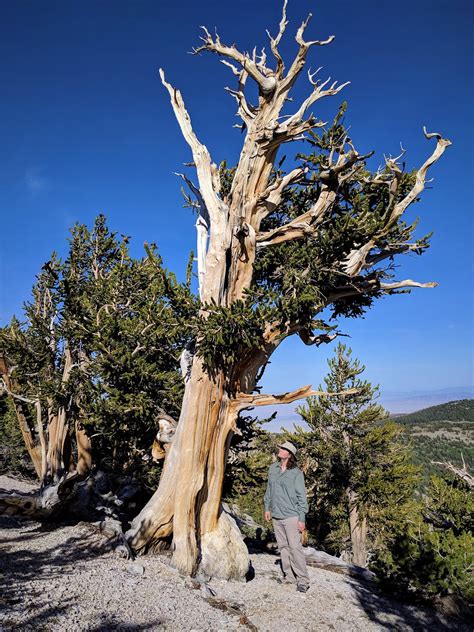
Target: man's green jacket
point(286, 495)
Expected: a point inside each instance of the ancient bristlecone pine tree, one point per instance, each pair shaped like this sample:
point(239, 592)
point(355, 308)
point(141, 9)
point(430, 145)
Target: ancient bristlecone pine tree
point(35, 369)
point(274, 251)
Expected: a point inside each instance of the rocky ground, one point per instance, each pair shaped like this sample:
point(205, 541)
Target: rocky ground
point(59, 578)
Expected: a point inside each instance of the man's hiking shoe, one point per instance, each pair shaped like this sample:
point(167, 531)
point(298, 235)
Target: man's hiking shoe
point(285, 580)
point(302, 588)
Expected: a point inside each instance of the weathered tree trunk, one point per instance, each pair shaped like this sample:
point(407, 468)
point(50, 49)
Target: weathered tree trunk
point(358, 529)
point(44, 503)
point(92, 500)
point(187, 502)
point(34, 447)
point(84, 450)
point(58, 457)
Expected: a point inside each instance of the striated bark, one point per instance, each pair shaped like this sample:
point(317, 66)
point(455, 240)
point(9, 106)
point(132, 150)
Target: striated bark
point(173, 508)
point(58, 455)
point(358, 529)
point(84, 450)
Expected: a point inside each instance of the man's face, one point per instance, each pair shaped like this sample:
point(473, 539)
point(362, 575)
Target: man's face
point(283, 454)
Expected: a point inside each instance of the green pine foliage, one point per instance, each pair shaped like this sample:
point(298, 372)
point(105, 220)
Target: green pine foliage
point(295, 282)
point(250, 457)
point(225, 334)
point(432, 551)
point(441, 433)
point(459, 410)
point(441, 448)
point(419, 543)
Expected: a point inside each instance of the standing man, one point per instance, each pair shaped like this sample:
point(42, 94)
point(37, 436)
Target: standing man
point(286, 504)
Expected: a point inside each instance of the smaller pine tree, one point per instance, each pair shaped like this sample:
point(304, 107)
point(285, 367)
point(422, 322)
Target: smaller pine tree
point(358, 471)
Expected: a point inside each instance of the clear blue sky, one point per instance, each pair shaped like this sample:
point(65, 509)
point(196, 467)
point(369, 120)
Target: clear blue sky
point(86, 128)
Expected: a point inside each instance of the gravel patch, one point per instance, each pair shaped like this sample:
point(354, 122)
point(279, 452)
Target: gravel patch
point(60, 579)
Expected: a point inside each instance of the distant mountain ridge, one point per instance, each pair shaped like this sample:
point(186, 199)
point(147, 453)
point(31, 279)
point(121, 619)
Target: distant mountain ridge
point(459, 410)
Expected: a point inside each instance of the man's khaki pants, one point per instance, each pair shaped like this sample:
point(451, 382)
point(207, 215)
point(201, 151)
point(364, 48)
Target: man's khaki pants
point(293, 559)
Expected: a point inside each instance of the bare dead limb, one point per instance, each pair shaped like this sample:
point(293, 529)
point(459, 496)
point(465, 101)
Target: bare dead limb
point(419, 185)
point(358, 258)
point(318, 93)
point(20, 398)
point(406, 283)
point(275, 41)
point(306, 224)
point(300, 58)
point(302, 226)
point(274, 192)
point(245, 111)
point(461, 472)
point(364, 286)
point(260, 74)
point(390, 251)
point(246, 399)
point(395, 210)
point(208, 176)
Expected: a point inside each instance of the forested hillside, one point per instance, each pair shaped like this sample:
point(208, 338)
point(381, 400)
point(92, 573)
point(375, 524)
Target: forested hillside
point(460, 410)
point(441, 433)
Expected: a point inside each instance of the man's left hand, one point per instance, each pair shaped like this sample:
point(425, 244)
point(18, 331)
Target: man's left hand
point(301, 527)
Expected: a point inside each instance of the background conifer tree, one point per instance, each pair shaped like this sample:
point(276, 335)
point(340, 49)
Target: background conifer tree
point(359, 476)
